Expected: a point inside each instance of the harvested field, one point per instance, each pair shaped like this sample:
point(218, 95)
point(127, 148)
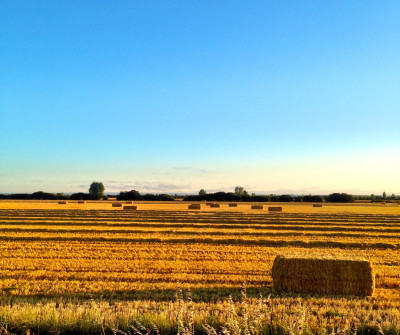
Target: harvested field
point(97, 251)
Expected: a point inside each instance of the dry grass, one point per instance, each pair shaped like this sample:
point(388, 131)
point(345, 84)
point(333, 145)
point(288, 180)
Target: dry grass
point(298, 208)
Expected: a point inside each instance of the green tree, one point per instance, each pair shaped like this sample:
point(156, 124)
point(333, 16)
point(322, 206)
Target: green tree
point(373, 197)
point(96, 190)
point(384, 195)
point(239, 190)
point(202, 192)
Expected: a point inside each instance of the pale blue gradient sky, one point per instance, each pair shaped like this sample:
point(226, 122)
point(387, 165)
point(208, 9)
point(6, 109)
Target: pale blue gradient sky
point(174, 96)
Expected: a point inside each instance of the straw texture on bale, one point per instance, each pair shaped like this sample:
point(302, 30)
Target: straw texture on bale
point(81, 202)
point(131, 208)
point(317, 205)
point(194, 206)
point(275, 209)
point(62, 202)
point(215, 205)
point(128, 202)
point(323, 276)
point(116, 204)
point(209, 203)
point(232, 205)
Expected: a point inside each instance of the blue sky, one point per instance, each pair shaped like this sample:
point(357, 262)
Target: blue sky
point(174, 96)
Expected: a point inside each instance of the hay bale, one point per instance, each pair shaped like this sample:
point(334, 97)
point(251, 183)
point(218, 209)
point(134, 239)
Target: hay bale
point(194, 206)
point(209, 203)
point(116, 204)
point(317, 205)
point(62, 202)
point(81, 202)
point(323, 276)
point(215, 205)
point(128, 202)
point(257, 207)
point(131, 208)
point(274, 209)
point(232, 205)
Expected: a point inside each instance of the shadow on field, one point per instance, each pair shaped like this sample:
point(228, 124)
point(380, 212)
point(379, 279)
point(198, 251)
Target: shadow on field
point(198, 295)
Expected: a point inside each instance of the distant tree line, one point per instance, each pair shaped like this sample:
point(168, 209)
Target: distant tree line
point(96, 192)
point(231, 196)
point(135, 195)
point(40, 195)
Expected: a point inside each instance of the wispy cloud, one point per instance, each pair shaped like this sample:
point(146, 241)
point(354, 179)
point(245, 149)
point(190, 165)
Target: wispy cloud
point(153, 187)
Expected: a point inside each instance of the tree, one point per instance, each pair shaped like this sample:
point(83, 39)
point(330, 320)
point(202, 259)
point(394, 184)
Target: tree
point(202, 192)
point(373, 197)
point(384, 195)
point(239, 190)
point(131, 195)
point(285, 198)
point(340, 197)
point(96, 190)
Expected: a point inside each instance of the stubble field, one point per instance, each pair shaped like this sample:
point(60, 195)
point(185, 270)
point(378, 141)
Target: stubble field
point(113, 267)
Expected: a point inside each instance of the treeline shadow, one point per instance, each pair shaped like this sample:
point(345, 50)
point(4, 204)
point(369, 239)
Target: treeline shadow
point(161, 295)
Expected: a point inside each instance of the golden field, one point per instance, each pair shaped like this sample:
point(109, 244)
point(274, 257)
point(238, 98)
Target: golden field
point(76, 252)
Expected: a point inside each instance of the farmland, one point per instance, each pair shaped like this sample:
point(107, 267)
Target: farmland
point(122, 264)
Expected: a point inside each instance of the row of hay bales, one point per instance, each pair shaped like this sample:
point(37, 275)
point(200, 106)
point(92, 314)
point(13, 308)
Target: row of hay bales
point(214, 205)
point(64, 202)
point(323, 276)
point(126, 207)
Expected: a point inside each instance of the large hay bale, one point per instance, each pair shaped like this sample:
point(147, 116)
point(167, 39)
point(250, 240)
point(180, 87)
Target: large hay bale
point(317, 205)
point(194, 206)
point(215, 205)
point(257, 207)
point(81, 202)
point(232, 205)
point(116, 204)
point(275, 209)
point(131, 208)
point(62, 202)
point(323, 276)
point(209, 203)
point(128, 202)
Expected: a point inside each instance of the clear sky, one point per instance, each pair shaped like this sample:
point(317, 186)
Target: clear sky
point(174, 96)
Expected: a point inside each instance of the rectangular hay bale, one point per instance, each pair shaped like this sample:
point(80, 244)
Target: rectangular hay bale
point(215, 205)
point(232, 205)
point(257, 207)
point(317, 205)
point(81, 202)
point(323, 276)
point(194, 206)
point(209, 203)
point(62, 202)
point(275, 209)
point(116, 204)
point(131, 208)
